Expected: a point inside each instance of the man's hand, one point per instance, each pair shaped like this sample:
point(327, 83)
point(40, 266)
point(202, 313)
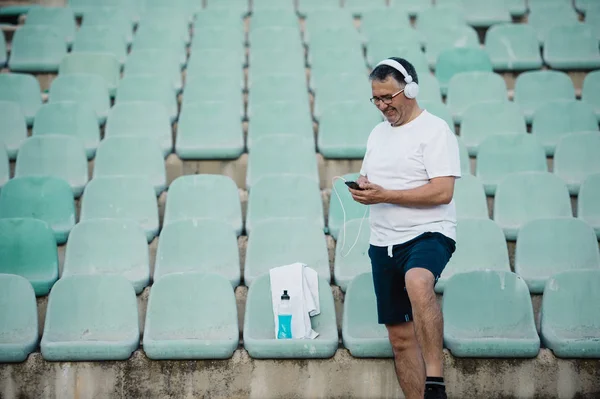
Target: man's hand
point(370, 194)
point(362, 181)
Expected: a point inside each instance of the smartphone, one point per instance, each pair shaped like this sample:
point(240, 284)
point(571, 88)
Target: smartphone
point(353, 185)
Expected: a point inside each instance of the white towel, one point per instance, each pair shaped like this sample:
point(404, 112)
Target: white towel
point(302, 285)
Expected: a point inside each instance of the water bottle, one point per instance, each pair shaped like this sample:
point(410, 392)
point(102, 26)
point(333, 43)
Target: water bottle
point(285, 317)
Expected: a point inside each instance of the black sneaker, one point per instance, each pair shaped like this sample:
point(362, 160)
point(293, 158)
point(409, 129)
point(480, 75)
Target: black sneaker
point(435, 392)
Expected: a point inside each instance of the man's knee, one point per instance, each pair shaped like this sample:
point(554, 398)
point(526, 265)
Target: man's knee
point(402, 337)
point(419, 285)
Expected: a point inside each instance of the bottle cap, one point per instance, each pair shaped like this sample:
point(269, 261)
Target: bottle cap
point(285, 295)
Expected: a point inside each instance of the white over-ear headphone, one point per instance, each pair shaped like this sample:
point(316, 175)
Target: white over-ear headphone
point(411, 90)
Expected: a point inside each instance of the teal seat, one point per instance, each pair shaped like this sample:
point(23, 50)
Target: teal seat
point(588, 202)
point(569, 323)
point(282, 117)
point(141, 119)
point(536, 4)
point(104, 65)
point(412, 7)
point(54, 155)
point(480, 245)
point(162, 38)
point(122, 198)
point(82, 88)
point(350, 261)
point(13, 129)
point(485, 119)
point(118, 18)
point(337, 215)
point(211, 87)
point(501, 325)
point(109, 246)
point(202, 62)
point(586, 6)
point(441, 15)
point(16, 10)
point(544, 18)
point(288, 87)
point(48, 199)
point(217, 17)
point(470, 198)
point(380, 48)
point(526, 196)
point(71, 119)
point(465, 161)
point(460, 59)
point(358, 7)
point(36, 49)
point(187, 8)
point(344, 128)
point(546, 247)
point(28, 249)
point(334, 39)
point(576, 157)
point(440, 110)
point(204, 196)
point(267, 18)
point(332, 88)
point(4, 166)
point(284, 197)
point(268, 5)
point(60, 18)
point(554, 120)
point(275, 38)
point(362, 335)
point(22, 89)
point(207, 246)
point(230, 38)
point(503, 154)
point(259, 326)
point(91, 318)
point(513, 47)
point(179, 325)
point(231, 5)
point(483, 14)
point(376, 19)
point(206, 130)
point(590, 92)
point(3, 55)
point(101, 39)
point(446, 37)
point(290, 61)
point(131, 156)
point(131, 8)
point(157, 88)
point(469, 88)
point(429, 89)
point(349, 62)
point(18, 312)
point(307, 6)
point(592, 19)
point(535, 88)
point(169, 16)
point(336, 18)
point(154, 62)
point(282, 155)
point(572, 47)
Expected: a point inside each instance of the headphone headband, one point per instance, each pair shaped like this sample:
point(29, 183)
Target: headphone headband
point(397, 66)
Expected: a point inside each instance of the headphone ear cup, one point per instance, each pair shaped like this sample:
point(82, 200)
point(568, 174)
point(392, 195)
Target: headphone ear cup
point(411, 90)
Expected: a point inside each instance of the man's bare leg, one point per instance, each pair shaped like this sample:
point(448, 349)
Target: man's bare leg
point(408, 359)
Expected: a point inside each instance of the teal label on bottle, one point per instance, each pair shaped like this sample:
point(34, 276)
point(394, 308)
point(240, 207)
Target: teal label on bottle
point(285, 327)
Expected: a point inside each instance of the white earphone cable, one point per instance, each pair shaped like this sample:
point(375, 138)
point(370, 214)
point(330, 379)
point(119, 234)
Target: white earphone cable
point(344, 219)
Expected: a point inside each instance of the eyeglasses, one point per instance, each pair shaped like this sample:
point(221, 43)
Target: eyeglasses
point(385, 99)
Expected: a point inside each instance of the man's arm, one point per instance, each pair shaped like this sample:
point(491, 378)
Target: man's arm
point(438, 191)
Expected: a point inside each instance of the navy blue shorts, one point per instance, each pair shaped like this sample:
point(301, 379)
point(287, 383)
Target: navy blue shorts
point(430, 251)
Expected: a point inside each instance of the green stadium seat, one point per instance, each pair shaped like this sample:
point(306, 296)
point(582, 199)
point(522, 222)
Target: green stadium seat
point(374, 20)
point(435, 17)
point(202, 62)
point(351, 209)
point(480, 245)
point(549, 16)
point(206, 130)
point(569, 323)
point(198, 197)
point(465, 162)
point(592, 19)
point(322, 20)
point(16, 10)
point(289, 87)
point(230, 5)
point(344, 128)
point(259, 326)
point(289, 61)
point(470, 88)
point(175, 20)
point(282, 155)
point(483, 14)
point(118, 18)
point(101, 39)
point(60, 18)
point(141, 119)
point(4, 166)
point(267, 5)
point(446, 37)
point(275, 38)
point(82, 88)
point(553, 120)
point(3, 55)
point(131, 8)
point(91, 318)
point(329, 39)
point(588, 202)
point(274, 17)
point(131, 156)
point(154, 88)
point(513, 47)
point(384, 47)
point(207, 246)
point(228, 37)
point(28, 249)
point(217, 17)
point(48, 199)
point(36, 49)
point(284, 197)
point(590, 92)
point(351, 261)
point(536, 4)
point(122, 198)
point(546, 247)
point(440, 110)
point(54, 155)
point(457, 60)
point(362, 335)
point(179, 325)
point(576, 157)
point(572, 47)
point(187, 8)
point(70, 119)
point(22, 89)
point(526, 196)
point(18, 312)
point(333, 88)
point(305, 7)
point(342, 61)
point(535, 88)
point(214, 87)
point(282, 117)
point(485, 119)
point(470, 199)
point(104, 65)
point(358, 7)
point(13, 129)
point(586, 6)
point(109, 246)
point(504, 154)
point(429, 89)
point(160, 37)
point(501, 325)
point(412, 7)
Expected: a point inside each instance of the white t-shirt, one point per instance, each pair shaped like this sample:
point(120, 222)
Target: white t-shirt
point(405, 157)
